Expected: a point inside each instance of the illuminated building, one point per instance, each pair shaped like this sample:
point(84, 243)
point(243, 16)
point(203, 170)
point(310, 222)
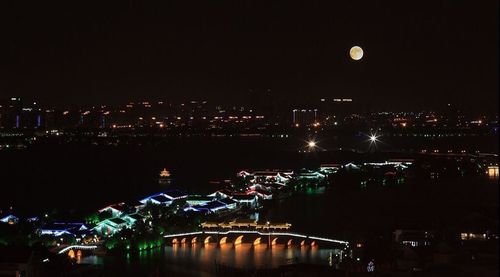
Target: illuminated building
point(165, 177)
point(246, 223)
point(473, 236)
point(198, 199)
point(175, 194)
point(64, 228)
point(157, 199)
point(110, 226)
point(230, 203)
point(209, 207)
point(304, 117)
point(275, 176)
point(263, 194)
point(414, 238)
point(220, 194)
point(115, 210)
point(9, 219)
point(329, 168)
point(131, 219)
point(310, 175)
point(164, 198)
point(492, 171)
point(251, 201)
point(350, 166)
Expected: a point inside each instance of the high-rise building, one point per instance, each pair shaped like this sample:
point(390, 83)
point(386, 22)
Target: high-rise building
point(304, 117)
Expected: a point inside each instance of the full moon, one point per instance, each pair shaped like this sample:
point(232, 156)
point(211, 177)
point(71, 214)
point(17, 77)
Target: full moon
point(356, 53)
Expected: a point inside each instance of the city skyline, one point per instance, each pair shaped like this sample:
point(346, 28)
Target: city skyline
point(429, 54)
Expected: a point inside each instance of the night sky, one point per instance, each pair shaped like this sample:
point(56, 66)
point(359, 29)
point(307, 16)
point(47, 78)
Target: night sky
point(417, 53)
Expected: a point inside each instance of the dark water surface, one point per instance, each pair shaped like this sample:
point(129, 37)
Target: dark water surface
point(80, 178)
point(201, 260)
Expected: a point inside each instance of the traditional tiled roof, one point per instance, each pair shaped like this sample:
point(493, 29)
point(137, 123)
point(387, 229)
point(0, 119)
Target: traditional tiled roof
point(160, 198)
point(173, 194)
point(227, 201)
point(117, 221)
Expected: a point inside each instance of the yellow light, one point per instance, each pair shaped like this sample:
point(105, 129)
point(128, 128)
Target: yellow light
point(356, 53)
point(164, 173)
point(492, 171)
point(311, 144)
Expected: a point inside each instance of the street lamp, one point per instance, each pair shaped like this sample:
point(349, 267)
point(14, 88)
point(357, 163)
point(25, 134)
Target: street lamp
point(311, 144)
point(373, 138)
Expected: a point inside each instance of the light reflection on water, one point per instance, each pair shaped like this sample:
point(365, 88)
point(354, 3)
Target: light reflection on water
point(245, 255)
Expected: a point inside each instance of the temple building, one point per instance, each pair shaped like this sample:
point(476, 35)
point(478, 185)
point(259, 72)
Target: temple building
point(64, 228)
point(165, 177)
point(9, 219)
point(111, 226)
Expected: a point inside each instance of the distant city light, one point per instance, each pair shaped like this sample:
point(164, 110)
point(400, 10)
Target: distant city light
point(373, 138)
point(311, 144)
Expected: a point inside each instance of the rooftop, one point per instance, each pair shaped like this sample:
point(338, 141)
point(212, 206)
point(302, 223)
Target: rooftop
point(160, 198)
point(213, 205)
point(199, 198)
point(243, 197)
point(175, 193)
point(227, 201)
point(117, 221)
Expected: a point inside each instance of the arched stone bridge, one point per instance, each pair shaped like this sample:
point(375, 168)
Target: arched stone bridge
point(237, 237)
point(77, 247)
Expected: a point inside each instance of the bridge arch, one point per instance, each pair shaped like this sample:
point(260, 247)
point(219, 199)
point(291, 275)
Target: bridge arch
point(274, 241)
point(208, 240)
point(257, 241)
point(183, 241)
point(303, 243)
point(77, 247)
point(278, 240)
point(194, 240)
point(289, 243)
point(238, 240)
point(175, 241)
point(313, 243)
point(223, 240)
point(71, 254)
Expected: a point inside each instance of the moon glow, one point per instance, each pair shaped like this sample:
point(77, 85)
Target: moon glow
point(356, 53)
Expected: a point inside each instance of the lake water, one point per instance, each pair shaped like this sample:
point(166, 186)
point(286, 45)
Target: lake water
point(201, 260)
point(74, 180)
point(79, 179)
